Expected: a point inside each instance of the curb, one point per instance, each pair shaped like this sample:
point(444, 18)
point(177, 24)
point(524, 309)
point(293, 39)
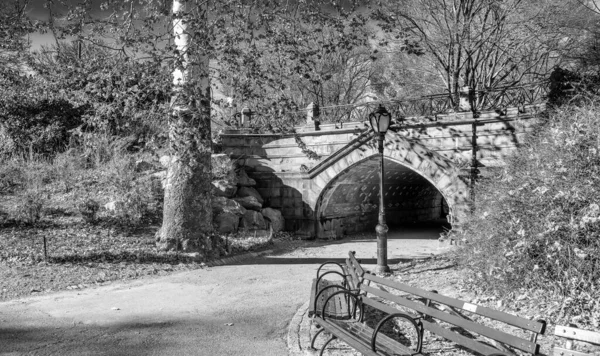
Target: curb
point(297, 324)
point(238, 258)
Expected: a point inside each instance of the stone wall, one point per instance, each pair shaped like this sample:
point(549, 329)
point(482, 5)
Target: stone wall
point(288, 180)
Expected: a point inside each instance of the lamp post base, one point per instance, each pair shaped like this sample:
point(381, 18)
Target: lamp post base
point(382, 269)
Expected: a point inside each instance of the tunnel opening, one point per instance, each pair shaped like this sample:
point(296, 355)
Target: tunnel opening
point(413, 205)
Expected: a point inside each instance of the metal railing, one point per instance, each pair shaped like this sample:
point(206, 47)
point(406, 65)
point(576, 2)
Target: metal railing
point(426, 107)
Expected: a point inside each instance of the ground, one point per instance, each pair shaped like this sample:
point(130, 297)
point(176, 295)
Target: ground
point(242, 307)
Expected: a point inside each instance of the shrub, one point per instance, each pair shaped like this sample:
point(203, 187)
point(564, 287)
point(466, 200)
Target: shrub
point(30, 206)
point(40, 125)
point(139, 195)
point(537, 222)
point(11, 175)
point(89, 210)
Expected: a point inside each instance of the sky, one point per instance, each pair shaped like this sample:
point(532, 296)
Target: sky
point(37, 11)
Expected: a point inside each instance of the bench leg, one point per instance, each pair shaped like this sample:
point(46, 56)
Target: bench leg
point(312, 343)
point(326, 343)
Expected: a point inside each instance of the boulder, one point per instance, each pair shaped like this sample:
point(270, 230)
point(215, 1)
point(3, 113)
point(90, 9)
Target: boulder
point(226, 222)
point(275, 218)
point(243, 180)
point(249, 203)
point(223, 188)
point(253, 220)
point(249, 192)
point(222, 204)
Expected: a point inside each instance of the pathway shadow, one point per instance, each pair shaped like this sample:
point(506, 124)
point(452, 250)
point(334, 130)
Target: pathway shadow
point(316, 261)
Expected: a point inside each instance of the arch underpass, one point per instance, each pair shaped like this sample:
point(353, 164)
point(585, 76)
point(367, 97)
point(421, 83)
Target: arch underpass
point(350, 202)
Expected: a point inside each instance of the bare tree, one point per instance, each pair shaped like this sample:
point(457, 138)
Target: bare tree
point(476, 43)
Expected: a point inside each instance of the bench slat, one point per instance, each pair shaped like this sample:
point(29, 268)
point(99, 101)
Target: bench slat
point(521, 344)
point(353, 281)
point(559, 351)
point(438, 330)
point(360, 271)
point(355, 334)
point(513, 320)
point(459, 339)
point(577, 334)
point(384, 343)
point(345, 336)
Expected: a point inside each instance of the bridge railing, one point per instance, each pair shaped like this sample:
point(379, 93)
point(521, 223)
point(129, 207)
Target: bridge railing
point(430, 106)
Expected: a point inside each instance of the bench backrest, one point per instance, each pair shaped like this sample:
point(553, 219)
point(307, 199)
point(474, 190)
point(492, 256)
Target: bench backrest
point(571, 333)
point(436, 308)
point(354, 270)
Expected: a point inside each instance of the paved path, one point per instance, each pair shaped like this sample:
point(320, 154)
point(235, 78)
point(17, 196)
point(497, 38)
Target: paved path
point(239, 309)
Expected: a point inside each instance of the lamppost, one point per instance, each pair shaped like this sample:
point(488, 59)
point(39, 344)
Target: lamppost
point(380, 122)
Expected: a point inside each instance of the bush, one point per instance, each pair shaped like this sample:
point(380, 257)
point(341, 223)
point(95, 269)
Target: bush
point(30, 207)
point(11, 175)
point(537, 222)
point(89, 210)
point(140, 197)
point(38, 125)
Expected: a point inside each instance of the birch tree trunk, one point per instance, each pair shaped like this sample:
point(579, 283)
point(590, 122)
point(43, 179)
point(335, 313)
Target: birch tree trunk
point(187, 214)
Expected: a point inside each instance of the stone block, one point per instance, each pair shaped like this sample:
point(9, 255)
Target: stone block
point(222, 204)
point(276, 202)
point(275, 218)
point(253, 220)
point(223, 188)
point(226, 222)
point(249, 191)
point(264, 192)
point(243, 180)
point(288, 211)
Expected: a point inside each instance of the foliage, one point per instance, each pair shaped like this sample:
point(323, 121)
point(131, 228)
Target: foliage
point(89, 210)
point(537, 221)
point(37, 125)
point(123, 96)
point(30, 206)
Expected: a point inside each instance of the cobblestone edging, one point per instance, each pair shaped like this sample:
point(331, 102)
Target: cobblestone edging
point(300, 333)
point(298, 340)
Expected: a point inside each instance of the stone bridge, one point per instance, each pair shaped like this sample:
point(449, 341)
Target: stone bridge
point(430, 166)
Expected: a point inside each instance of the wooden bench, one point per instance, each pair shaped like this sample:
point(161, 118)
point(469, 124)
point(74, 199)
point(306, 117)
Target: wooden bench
point(322, 288)
point(424, 316)
point(574, 334)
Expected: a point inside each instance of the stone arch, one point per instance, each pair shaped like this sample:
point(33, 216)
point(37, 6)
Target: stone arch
point(430, 165)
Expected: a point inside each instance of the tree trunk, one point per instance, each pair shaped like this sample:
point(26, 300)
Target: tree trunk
point(187, 214)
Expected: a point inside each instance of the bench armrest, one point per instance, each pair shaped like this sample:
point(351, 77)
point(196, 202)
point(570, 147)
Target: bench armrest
point(329, 263)
point(344, 276)
point(351, 294)
point(398, 315)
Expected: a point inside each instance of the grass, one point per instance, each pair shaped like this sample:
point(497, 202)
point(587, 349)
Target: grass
point(59, 204)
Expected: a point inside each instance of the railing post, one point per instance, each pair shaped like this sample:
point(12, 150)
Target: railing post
point(246, 116)
point(312, 116)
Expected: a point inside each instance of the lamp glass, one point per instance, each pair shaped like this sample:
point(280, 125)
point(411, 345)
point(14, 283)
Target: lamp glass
point(380, 120)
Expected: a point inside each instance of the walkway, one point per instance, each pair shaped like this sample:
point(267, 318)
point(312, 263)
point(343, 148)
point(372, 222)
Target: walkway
point(240, 309)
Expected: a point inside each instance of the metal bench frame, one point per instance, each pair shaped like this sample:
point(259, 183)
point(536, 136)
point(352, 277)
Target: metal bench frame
point(426, 313)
